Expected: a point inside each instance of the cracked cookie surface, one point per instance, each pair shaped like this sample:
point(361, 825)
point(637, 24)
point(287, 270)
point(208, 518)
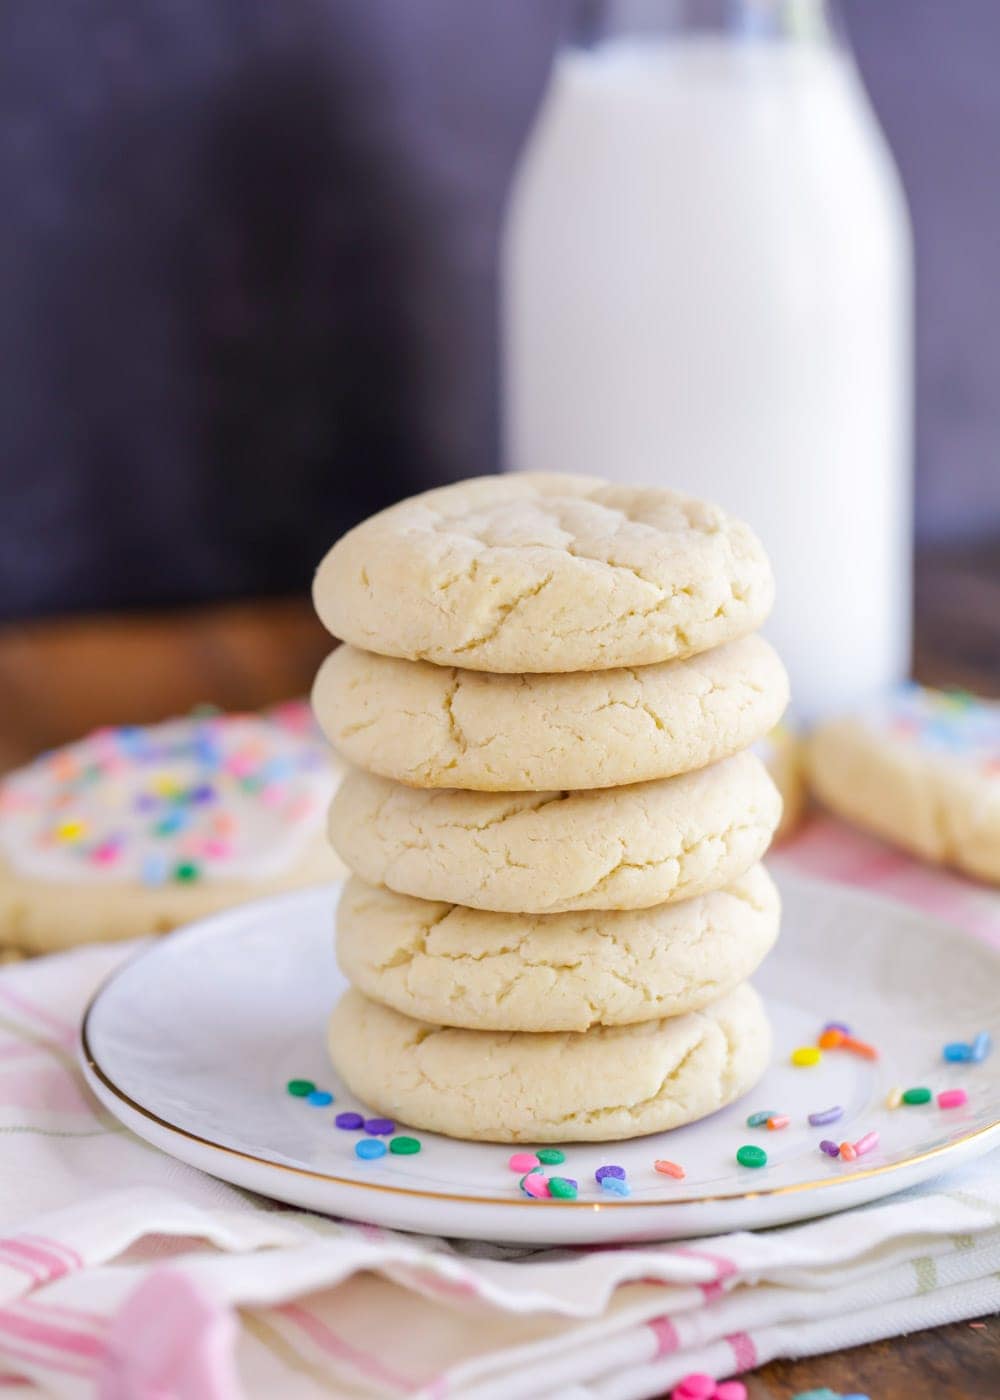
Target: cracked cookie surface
point(602, 1085)
point(553, 972)
point(545, 852)
point(440, 726)
point(538, 572)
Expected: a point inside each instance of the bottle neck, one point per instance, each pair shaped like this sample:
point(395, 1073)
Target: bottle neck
point(809, 21)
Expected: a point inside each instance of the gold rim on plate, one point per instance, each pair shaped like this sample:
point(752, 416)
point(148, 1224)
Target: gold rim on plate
point(798, 1187)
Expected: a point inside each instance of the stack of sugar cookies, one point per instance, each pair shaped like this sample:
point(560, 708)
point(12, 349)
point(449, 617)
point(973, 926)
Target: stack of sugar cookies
point(554, 821)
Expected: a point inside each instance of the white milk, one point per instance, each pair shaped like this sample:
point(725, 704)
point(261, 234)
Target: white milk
point(707, 284)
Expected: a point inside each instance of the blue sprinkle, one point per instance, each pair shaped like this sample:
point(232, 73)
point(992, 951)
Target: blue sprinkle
point(368, 1148)
point(175, 820)
point(981, 1047)
point(154, 869)
point(613, 1172)
point(615, 1185)
point(854, 1395)
point(319, 1098)
point(277, 768)
point(957, 1052)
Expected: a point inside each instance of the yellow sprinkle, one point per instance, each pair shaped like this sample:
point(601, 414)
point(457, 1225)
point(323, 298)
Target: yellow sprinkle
point(894, 1097)
point(807, 1055)
point(69, 831)
point(165, 786)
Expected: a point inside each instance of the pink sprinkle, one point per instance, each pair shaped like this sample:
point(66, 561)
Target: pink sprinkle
point(106, 853)
point(696, 1386)
point(523, 1162)
point(868, 1143)
point(216, 850)
point(536, 1185)
point(731, 1390)
point(952, 1098)
point(299, 807)
point(273, 795)
point(241, 765)
point(293, 714)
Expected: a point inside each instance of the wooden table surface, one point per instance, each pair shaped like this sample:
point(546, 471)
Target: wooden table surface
point(60, 678)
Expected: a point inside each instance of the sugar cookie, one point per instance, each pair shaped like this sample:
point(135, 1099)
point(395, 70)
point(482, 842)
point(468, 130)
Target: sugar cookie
point(920, 768)
point(781, 752)
point(553, 972)
point(136, 829)
point(604, 1084)
point(604, 848)
point(437, 726)
point(544, 572)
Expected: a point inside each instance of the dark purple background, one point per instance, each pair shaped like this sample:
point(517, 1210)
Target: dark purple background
point(247, 255)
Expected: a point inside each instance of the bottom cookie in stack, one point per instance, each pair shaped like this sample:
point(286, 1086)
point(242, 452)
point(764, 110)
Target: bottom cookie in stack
point(603, 1084)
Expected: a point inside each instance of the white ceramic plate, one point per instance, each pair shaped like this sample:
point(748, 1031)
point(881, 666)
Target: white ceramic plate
point(191, 1045)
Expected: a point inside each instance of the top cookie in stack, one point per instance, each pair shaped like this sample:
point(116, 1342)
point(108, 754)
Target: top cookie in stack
point(549, 688)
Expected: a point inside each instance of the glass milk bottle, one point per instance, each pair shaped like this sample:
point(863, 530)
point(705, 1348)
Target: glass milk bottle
point(706, 283)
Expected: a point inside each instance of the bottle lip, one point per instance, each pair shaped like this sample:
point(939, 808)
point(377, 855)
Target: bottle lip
point(588, 23)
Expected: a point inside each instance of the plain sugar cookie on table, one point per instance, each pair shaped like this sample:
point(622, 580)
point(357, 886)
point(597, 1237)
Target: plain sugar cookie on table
point(544, 573)
point(553, 972)
point(920, 768)
point(780, 750)
point(603, 1085)
point(440, 726)
point(544, 852)
point(134, 830)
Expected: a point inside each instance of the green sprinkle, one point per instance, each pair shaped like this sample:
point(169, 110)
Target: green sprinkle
point(405, 1146)
point(562, 1189)
point(186, 872)
point(751, 1156)
point(759, 1120)
point(301, 1088)
point(920, 1095)
point(251, 784)
point(551, 1156)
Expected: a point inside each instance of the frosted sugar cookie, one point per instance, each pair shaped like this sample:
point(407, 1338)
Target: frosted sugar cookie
point(553, 972)
point(134, 830)
point(920, 768)
point(781, 752)
point(544, 572)
point(603, 1085)
point(604, 848)
point(438, 726)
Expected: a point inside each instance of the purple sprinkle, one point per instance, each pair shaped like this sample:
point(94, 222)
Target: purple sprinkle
point(837, 1026)
point(830, 1148)
point(826, 1115)
point(204, 792)
point(380, 1127)
point(349, 1120)
point(146, 802)
point(602, 1172)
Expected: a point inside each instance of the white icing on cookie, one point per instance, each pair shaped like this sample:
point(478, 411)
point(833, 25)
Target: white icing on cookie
point(208, 798)
point(946, 724)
